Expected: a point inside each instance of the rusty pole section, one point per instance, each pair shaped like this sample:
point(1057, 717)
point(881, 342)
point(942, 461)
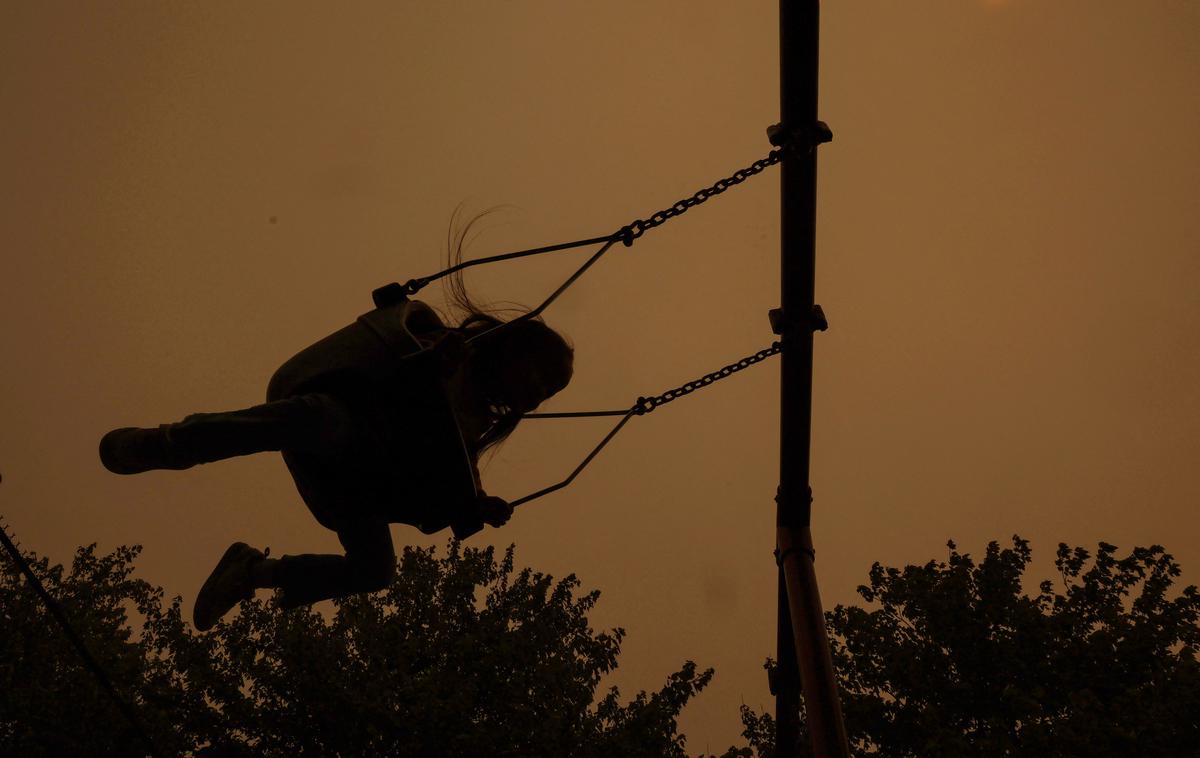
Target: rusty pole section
point(800, 618)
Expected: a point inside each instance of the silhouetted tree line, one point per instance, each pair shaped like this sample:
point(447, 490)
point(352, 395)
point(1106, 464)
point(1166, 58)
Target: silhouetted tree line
point(952, 658)
point(466, 656)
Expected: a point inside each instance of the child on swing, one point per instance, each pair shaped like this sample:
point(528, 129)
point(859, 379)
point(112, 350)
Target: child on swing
point(381, 422)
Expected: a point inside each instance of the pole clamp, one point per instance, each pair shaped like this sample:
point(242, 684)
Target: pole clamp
point(392, 294)
point(785, 137)
point(781, 557)
point(780, 323)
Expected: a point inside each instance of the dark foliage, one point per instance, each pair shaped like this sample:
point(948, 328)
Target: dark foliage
point(463, 655)
point(955, 660)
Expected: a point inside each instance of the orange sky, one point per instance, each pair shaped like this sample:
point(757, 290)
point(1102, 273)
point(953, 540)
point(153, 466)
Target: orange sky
point(1008, 254)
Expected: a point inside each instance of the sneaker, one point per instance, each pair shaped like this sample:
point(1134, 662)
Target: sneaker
point(227, 585)
point(131, 450)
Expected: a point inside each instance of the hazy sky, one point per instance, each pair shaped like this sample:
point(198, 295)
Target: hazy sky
point(1008, 254)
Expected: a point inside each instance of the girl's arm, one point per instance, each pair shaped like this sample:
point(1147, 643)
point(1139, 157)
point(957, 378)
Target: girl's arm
point(487, 509)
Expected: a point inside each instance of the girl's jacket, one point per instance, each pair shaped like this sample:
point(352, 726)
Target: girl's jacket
point(407, 461)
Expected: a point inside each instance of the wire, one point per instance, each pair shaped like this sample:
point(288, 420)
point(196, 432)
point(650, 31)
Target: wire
point(626, 234)
point(57, 612)
point(595, 451)
point(574, 414)
point(412, 286)
point(643, 406)
point(553, 295)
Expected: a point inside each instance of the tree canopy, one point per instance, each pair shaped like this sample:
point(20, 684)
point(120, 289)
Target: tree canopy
point(465, 655)
point(954, 659)
point(462, 655)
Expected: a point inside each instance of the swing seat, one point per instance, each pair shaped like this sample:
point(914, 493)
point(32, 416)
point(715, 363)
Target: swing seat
point(418, 470)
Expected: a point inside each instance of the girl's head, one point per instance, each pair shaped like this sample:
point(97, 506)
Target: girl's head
point(519, 365)
point(515, 368)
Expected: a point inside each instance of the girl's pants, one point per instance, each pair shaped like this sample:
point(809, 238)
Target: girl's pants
point(320, 440)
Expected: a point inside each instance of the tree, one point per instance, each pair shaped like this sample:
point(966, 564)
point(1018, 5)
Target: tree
point(462, 655)
point(956, 660)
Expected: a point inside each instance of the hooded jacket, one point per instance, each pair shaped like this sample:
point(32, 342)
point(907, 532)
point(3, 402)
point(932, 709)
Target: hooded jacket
point(408, 462)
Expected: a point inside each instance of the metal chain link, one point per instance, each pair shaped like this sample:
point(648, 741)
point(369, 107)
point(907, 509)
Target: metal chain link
point(635, 229)
point(646, 404)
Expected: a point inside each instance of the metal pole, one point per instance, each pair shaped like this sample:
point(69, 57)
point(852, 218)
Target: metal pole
point(799, 55)
point(785, 685)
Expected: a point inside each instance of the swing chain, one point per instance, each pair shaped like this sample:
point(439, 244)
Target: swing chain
point(645, 405)
point(630, 232)
point(783, 140)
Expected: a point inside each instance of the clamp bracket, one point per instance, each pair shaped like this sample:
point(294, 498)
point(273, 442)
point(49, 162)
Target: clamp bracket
point(782, 136)
point(389, 294)
point(781, 324)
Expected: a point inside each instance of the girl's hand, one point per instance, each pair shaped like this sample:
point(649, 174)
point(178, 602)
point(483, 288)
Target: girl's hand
point(495, 511)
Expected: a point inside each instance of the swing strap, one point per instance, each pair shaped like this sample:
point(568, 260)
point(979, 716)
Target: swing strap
point(626, 234)
point(643, 406)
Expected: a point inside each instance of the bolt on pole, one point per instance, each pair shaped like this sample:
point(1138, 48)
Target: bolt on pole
point(801, 619)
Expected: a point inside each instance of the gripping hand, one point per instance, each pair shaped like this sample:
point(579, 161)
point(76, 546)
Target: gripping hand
point(494, 511)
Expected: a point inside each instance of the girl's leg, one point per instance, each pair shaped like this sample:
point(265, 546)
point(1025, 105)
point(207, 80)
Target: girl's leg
point(313, 421)
point(302, 422)
point(368, 565)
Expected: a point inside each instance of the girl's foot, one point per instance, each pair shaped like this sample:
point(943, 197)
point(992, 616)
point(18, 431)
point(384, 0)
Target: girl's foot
point(131, 450)
point(229, 583)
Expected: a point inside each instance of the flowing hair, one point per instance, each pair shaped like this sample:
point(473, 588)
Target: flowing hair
point(475, 319)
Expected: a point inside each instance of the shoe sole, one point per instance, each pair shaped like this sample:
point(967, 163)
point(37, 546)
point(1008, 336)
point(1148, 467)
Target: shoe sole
point(206, 599)
point(108, 453)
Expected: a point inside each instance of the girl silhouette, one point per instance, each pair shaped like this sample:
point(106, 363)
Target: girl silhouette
point(381, 422)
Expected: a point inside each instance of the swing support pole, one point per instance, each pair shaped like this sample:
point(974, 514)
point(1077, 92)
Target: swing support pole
point(803, 647)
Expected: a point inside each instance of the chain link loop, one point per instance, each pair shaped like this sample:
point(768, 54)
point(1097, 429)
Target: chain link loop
point(635, 229)
point(645, 405)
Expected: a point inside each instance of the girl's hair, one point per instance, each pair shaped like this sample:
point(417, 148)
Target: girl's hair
point(529, 340)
